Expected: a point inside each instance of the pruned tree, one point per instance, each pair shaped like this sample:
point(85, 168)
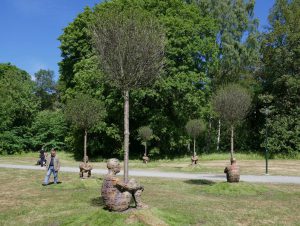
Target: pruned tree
point(194, 127)
point(145, 134)
point(232, 103)
point(130, 47)
point(238, 43)
point(84, 112)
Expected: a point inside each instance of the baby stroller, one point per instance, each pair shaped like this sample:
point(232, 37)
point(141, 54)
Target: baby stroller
point(42, 158)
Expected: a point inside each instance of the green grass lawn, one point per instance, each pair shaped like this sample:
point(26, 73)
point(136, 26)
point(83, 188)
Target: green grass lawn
point(24, 201)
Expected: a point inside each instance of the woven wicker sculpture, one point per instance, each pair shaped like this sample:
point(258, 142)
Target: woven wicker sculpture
point(116, 194)
point(232, 172)
point(85, 168)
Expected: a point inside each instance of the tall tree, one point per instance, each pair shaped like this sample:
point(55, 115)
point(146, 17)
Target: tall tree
point(280, 77)
point(84, 112)
point(182, 92)
point(238, 44)
point(45, 88)
point(18, 107)
point(237, 38)
point(232, 103)
point(194, 128)
point(130, 46)
point(145, 134)
point(75, 46)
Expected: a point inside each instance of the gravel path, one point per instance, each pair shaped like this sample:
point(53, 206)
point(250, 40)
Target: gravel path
point(143, 173)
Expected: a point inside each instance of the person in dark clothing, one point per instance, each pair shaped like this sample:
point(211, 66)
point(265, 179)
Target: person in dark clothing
point(42, 157)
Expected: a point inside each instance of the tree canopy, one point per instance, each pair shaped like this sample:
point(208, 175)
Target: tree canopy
point(45, 88)
point(84, 111)
point(232, 103)
point(280, 76)
point(208, 44)
point(182, 90)
point(18, 107)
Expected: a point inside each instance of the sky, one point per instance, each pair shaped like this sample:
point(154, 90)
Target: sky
point(30, 28)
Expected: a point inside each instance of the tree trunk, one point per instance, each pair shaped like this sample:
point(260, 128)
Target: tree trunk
point(209, 136)
point(219, 135)
point(84, 149)
point(126, 134)
point(231, 150)
point(145, 148)
point(194, 146)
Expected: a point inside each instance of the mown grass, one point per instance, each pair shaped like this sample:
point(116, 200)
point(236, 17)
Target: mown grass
point(204, 157)
point(24, 201)
point(213, 163)
point(69, 157)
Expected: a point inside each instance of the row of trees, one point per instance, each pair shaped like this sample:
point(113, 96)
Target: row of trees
point(182, 92)
point(207, 45)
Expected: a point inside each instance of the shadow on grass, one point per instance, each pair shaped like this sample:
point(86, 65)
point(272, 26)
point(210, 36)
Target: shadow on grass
point(97, 202)
point(200, 182)
point(51, 183)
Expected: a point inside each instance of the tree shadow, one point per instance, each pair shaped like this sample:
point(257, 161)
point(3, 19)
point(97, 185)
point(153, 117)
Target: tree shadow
point(97, 202)
point(200, 182)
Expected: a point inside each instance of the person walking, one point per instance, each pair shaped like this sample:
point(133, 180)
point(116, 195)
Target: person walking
point(52, 166)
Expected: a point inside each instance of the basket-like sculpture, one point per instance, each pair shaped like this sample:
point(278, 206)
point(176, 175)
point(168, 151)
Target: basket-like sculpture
point(116, 194)
point(85, 168)
point(145, 159)
point(194, 159)
point(232, 172)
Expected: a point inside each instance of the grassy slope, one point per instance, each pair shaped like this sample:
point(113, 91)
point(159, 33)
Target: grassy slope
point(172, 202)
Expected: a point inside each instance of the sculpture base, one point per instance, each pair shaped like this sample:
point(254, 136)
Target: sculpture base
point(232, 172)
point(145, 159)
point(117, 194)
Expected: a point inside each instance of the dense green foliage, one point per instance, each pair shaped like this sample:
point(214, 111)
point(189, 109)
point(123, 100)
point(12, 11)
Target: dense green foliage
point(48, 130)
point(280, 77)
point(45, 88)
point(236, 38)
point(18, 106)
point(208, 44)
point(183, 90)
